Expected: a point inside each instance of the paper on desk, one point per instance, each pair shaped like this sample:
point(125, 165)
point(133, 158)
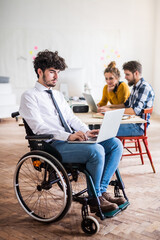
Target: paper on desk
point(101, 115)
point(126, 116)
point(98, 115)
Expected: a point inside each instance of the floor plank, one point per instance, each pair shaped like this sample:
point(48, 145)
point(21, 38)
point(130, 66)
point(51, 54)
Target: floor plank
point(141, 220)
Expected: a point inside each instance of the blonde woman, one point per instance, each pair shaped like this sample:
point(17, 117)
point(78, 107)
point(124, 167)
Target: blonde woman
point(115, 91)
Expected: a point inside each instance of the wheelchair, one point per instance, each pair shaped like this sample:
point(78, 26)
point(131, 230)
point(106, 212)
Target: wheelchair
point(45, 188)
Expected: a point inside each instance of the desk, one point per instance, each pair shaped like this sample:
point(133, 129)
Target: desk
point(88, 119)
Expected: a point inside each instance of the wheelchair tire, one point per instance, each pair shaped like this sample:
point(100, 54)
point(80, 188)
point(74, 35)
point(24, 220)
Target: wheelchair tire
point(90, 225)
point(42, 186)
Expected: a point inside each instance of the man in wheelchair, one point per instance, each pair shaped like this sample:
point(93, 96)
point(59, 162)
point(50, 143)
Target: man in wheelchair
point(47, 112)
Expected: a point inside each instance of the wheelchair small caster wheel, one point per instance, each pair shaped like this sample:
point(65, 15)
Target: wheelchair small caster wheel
point(90, 225)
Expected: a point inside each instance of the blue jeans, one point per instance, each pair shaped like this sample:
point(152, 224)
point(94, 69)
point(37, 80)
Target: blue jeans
point(101, 159)
point(132, 130)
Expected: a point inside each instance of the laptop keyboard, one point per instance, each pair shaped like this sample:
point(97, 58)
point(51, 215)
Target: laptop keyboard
point(92, 139)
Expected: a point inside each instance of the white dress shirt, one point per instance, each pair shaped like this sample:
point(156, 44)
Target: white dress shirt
point(39, 112)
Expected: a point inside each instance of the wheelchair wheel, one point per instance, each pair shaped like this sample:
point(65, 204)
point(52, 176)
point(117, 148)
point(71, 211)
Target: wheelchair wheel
point(90, 225)
point(80, 185)
point(42, 186)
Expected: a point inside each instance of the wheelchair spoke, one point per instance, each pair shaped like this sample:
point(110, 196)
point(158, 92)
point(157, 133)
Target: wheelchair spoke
point(80, 185)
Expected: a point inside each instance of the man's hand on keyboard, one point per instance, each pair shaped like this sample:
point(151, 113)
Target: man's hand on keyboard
point(92, 133)
point(80, 136)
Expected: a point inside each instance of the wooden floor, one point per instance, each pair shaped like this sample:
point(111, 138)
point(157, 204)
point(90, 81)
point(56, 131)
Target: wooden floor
point(141, 220)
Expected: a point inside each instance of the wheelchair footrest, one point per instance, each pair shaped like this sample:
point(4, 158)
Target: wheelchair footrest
point(112, 213)
point(115, 212)
point(124, 205)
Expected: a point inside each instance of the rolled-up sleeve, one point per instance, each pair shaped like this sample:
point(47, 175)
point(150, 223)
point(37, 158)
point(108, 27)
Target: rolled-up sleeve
point(142, 101)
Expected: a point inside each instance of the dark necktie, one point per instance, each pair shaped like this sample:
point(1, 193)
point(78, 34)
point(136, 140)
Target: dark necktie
point(64, 124)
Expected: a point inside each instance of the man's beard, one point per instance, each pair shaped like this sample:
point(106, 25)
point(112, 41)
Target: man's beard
point(131, 83)
point(48, 84)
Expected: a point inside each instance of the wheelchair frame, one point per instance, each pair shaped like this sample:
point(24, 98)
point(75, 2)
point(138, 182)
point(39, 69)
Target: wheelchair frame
point(43, 185)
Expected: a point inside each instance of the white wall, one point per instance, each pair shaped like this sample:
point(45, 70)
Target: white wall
point(156, 75)
point(82, 31)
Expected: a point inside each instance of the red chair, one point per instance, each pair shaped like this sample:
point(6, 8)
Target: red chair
point(137, 142)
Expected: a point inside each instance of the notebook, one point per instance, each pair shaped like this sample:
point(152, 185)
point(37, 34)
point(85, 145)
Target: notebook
point(90, 101)
point(109, 127)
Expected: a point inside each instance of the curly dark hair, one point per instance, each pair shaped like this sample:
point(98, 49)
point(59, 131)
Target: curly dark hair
point(133, 66)
point(47, 59)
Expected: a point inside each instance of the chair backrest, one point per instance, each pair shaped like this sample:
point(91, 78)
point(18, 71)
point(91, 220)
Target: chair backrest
point(146, 112)
point(29, 132)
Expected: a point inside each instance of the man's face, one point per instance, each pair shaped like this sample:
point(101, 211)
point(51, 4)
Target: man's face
point(50, 77)
point(130, 77)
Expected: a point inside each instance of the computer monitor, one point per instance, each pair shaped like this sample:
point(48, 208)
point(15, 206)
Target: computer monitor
point(71, 80)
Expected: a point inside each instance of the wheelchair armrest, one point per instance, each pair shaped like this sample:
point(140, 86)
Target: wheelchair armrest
point(39, 137)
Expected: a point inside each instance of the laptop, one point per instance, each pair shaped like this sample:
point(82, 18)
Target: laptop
point(90, 101)
point(109, 127)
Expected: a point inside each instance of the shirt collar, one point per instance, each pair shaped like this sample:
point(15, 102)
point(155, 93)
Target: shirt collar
point(40, 87)
point(139, 83)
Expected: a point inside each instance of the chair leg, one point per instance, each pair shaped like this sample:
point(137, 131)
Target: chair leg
point(140, 151)
point(136, 147)
point(149, 154)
